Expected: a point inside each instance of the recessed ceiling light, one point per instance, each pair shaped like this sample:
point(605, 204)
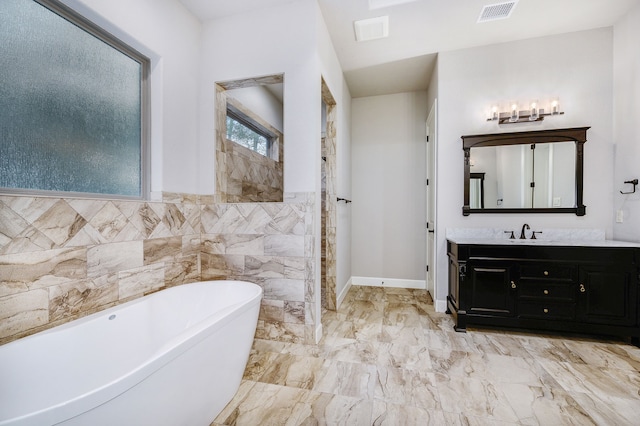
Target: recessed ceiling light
point(371, 29)
point(493, 12)
point(379, 4)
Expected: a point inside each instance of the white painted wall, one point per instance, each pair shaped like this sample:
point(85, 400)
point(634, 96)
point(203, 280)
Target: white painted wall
point(388, 178)
point(626, 110)
point(260, 101)
point(332, 73)
point(577, 67)
point(169, 35)
point(274, 40)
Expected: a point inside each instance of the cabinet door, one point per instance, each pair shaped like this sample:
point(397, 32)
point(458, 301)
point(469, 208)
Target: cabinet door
point(454, 285)
point(607, 295)
point(492, 289)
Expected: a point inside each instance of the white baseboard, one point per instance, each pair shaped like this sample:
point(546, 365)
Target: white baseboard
point(389, 282)
point(343, 293)
point(440, 305)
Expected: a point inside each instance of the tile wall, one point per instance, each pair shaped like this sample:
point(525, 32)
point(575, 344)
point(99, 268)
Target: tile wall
point(61, 259)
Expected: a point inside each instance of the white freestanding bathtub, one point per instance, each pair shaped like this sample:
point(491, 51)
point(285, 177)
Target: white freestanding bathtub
point(175, 357)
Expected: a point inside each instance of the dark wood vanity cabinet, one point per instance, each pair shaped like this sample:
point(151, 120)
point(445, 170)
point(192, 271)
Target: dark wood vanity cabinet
point(564, 288)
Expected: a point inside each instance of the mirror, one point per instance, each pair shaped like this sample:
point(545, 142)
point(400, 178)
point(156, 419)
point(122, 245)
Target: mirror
point(525, 172)
point(250, 140)
point(476, 190)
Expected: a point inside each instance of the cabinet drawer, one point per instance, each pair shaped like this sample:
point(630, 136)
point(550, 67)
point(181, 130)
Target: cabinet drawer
point(542, 270)
point(547, 291)
point(541, 310)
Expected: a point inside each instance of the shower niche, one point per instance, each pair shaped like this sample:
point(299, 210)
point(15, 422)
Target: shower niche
point(250, 140)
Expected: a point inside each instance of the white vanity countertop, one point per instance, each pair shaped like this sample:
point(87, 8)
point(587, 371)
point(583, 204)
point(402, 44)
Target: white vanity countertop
point(541, 242)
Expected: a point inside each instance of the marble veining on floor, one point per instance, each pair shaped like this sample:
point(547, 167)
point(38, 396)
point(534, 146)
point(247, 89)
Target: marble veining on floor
point(387, 358)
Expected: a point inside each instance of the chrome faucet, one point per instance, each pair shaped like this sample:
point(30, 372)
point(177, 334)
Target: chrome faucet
point(522, 235)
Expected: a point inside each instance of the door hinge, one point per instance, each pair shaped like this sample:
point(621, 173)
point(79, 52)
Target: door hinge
point(427, 268)
point(427, 138)
point(427, 182)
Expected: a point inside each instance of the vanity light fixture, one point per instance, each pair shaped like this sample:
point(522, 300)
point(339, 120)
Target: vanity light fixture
point(532, 113)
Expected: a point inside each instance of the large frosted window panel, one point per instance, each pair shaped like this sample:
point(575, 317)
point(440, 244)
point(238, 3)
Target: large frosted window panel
point(70, 107)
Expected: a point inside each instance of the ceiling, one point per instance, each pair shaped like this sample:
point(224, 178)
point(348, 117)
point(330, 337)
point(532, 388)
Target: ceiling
point(419, 29)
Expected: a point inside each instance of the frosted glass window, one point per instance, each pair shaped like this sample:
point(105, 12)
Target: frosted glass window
point(71, 105)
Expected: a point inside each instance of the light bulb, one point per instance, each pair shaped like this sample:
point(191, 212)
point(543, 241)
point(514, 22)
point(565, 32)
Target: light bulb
point(515, 114)
point(494, 112)
point(533, 114)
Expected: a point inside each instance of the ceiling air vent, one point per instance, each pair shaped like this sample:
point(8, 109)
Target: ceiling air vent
point(371, 29)
point(493, 12)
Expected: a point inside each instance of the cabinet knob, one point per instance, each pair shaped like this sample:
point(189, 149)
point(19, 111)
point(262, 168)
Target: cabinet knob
point(546, 273)
point(546, 292)
point(513, 284)
point(582, 289)
point(545, 310)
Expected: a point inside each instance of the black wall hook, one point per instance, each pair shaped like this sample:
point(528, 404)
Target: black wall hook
point(632, 182)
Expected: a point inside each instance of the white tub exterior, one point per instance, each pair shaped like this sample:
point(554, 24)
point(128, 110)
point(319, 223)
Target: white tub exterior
point(175, 357)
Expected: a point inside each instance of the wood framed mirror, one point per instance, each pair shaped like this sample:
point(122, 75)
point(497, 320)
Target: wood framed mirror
point(539, 171)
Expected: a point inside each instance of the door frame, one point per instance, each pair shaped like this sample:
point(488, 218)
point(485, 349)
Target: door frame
point(431, 127)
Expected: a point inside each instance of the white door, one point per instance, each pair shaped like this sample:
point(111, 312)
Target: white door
point(431, 199)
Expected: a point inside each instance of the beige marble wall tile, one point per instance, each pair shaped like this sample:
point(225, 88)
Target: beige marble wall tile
point(19, 272)
point(23, 311)
point(294, 268)
point(87, 236)
point(142, 246)
point(272, 310)
point(145, 219)
point(294, 312)
point(185, 269)
point(264, 267)
point(140, 281)
point(223, 219)
point(162, 250)
point(175, 220)
point(221, 266)
point(11, 224)
point(114, 257)
point(70, 300)
point(245, 244)
point(109, 221)
point(212, 244)
point(284, 289)
point(191, 244)
point(29, 208)
point(284, 245)
point(310, 314)
point(29, 240)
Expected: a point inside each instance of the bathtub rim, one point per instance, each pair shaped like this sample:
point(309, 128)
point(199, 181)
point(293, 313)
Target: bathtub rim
point(163, 355)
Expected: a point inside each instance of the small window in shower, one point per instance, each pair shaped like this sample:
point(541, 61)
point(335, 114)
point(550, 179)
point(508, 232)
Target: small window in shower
point(244, 131)
point(72, 105)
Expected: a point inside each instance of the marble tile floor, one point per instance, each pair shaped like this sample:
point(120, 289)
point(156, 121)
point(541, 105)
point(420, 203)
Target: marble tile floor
point(387, 358)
